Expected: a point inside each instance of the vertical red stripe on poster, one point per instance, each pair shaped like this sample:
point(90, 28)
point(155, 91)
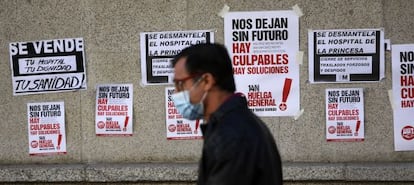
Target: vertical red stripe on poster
point(59, 141)
point(197, 124)
point(285, 94)
point(126, 123)
point(358, 124)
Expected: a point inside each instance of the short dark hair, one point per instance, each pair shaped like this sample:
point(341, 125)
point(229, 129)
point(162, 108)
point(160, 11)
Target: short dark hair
point(209, 58)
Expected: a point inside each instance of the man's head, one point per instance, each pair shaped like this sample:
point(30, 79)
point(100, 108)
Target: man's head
point(203, 80)
point(209, 59)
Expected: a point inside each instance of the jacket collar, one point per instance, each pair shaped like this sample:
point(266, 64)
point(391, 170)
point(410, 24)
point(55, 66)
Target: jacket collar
point(234, 101)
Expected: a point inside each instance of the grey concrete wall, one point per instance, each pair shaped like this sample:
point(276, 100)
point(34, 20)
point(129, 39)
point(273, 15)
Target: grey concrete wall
point(111, 28)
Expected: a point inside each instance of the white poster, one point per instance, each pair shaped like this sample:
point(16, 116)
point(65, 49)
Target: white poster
point(403, 96)
point(47, 66)
point(46, 128)
point(345, 114)
point(114, 110)
point(263, 47)
point(346, 56)
point(159, 48)
point(179, 128)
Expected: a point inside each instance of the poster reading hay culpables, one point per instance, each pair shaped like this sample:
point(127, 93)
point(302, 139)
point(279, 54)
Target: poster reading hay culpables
point(179, 128)
point(345, 114)
point(158, 48)
point(346, 56)
point(263, 48)
point(47, 66)
point(403, 96)
point(114, 110)
point(46, 128)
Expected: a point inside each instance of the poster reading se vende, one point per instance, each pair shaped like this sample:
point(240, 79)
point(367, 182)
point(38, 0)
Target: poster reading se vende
point(47, 66)
point(46, 128)
point(114, 110)
point(345, 114)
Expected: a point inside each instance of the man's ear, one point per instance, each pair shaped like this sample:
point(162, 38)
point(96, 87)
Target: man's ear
point(209, 81)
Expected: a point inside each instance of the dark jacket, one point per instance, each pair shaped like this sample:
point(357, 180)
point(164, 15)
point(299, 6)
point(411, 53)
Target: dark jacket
point(238, 148)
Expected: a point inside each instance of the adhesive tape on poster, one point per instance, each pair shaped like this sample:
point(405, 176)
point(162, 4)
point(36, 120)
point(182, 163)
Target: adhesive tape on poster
point(299, 57)
point(387, 44)
point(224, 11)
point(298, 114)
point(297, 10)
point(141, 84)
point(391, 98)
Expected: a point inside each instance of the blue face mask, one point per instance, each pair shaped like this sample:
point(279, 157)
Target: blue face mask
point(186, 108)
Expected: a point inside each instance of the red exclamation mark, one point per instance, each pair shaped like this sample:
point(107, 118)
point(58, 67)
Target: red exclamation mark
point(125, 123)
point(196, 126)
point(285, 94)
point(358, 124)
point(59, 141)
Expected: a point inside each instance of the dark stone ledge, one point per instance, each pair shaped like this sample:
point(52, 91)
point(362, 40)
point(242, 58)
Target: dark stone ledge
point(187, 172)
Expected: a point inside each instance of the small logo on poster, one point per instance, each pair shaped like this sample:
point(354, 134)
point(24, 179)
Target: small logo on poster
point(331, 129)
point(34, 144)
point(101, 125)
point(172, 128)
point(408, 132)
